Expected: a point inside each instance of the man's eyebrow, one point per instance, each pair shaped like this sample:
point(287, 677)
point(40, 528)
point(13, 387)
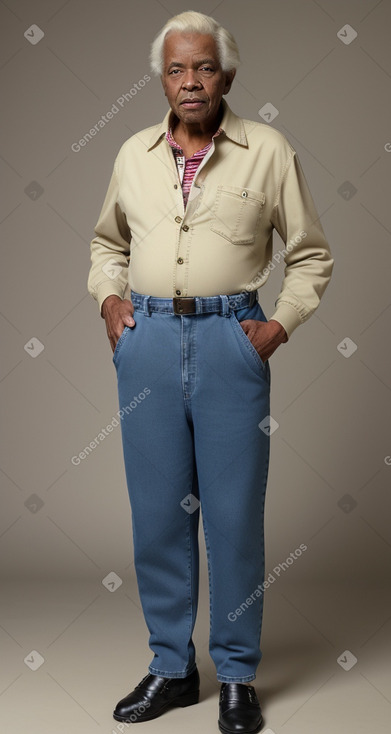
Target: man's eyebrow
point(197, 63)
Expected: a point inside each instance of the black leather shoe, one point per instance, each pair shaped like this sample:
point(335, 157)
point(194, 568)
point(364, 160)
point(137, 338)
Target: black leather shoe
point(154, 694)
point(240, 712)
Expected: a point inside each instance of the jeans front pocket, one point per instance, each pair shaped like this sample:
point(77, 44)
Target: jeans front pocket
point(120, 343)
point(246, 347)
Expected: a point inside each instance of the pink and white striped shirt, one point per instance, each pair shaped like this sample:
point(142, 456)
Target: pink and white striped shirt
point(187, 167)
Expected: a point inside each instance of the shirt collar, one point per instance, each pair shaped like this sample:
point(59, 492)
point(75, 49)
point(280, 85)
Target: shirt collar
point(177, 148)
point(231, 125)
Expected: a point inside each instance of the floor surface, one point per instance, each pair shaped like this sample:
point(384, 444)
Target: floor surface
point(71, 650)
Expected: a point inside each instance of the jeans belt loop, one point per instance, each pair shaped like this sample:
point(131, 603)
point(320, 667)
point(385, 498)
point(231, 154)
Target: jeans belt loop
point(146, 308)
point(225, 310)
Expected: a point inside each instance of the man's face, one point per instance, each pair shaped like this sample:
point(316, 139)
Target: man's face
point(192, 78)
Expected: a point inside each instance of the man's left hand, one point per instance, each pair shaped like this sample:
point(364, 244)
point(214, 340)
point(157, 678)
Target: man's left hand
point(265, 336)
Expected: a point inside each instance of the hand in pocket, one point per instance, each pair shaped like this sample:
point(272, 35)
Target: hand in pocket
point(117, 314)
point(265, 336)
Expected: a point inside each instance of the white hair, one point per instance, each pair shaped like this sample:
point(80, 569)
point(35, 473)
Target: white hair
point(193, 22)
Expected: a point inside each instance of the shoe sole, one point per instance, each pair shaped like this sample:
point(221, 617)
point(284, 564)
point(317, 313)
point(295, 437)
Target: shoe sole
point(187, 699)
point(242, 731)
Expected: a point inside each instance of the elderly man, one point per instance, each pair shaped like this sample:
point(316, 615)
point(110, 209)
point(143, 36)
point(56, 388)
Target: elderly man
point(183, 242)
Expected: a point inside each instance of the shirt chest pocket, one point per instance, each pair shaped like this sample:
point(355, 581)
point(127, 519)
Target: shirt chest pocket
point(236, 214)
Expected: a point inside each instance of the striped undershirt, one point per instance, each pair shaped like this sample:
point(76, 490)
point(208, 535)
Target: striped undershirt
point(191, 164)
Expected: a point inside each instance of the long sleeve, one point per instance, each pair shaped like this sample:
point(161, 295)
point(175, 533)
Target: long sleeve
point(306, 254)
point(110, 249)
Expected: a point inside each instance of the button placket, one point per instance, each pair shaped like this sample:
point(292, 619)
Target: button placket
point(181, 261)
point(181, 273)
point(182, 253)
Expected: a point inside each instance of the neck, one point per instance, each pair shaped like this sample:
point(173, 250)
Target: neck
point(190, 132)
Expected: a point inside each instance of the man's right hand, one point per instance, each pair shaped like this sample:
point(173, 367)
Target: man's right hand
point(117, 314)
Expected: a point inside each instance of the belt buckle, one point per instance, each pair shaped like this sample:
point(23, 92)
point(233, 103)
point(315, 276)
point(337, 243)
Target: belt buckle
point(184, 305)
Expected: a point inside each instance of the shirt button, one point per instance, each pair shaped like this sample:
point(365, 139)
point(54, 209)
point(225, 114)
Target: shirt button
point(178, 293)
point(178, 219)
point(175, 186)
point(180, 260)
point(244, 194)
point(185, 228)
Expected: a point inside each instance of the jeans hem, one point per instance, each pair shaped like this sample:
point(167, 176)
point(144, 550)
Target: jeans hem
point(173, 674)
point(235, 679)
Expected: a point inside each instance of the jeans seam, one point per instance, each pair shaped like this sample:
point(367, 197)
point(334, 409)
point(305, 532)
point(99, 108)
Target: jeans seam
point(207, 547)
point(190, 572)
point(264, 484)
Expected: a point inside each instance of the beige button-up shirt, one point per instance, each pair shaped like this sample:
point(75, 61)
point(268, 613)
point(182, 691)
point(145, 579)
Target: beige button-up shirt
point(249, 182)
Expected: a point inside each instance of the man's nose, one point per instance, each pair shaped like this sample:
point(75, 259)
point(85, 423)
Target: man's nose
point(191, 80)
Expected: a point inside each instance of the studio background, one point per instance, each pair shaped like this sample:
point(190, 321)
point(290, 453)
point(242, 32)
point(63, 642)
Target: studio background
point(69, 593)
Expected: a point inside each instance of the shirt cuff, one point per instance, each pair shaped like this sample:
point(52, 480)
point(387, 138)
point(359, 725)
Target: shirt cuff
point(108, 288)
point(288, 317)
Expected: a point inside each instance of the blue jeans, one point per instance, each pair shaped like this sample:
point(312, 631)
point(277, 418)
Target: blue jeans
point(192, 392)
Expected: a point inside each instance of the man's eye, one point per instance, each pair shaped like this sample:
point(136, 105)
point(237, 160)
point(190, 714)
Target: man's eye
point(207, 68)
point(173, 71)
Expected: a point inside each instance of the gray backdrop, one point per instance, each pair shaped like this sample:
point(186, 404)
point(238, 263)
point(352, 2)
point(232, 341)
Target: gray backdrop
point(64, 521)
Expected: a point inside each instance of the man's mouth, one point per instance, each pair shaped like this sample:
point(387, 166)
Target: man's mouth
point(192, 103)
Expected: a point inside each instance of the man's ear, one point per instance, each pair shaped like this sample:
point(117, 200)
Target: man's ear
point(229, 77)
